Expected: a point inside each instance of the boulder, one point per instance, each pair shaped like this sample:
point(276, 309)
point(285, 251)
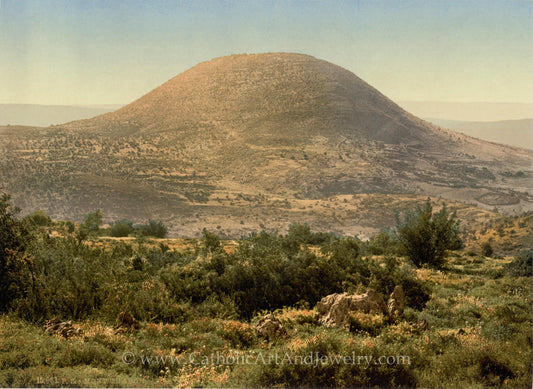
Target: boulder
point(269, 327)
point(63, 328)
point(396, 303)
point(334, 309)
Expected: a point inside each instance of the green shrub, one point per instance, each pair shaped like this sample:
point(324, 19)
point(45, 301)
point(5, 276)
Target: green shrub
point(210, 242)
point(486, 249)
point(268, 271)
point(72, 280)
point(494, 372)
point(93, 220)
point(425, 236)
point(293, 371)
point(70, 226)
point(121, 228)
point(521, 266)
point(39, 218)
point(385, 242)
point(16, 268)
point(153, 228)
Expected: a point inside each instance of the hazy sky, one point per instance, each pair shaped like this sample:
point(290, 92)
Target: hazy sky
point(114, 51)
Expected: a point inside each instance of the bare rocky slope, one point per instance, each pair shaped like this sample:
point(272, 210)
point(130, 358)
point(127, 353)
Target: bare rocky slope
point(246, 141)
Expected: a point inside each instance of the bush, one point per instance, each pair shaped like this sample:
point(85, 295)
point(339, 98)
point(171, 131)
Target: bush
point(93, 220)
point(14, 264)
point(385, 242)
point(121, 228)
point(521, 266)
point(70, 226)
point(302, 234)
point(326, 368)
point(39, 218)
point(71, 281)
point(425, 236)
point(486, 249)
point(269, 271)
point(384, 279)
point(155, 229)
point(210, 242)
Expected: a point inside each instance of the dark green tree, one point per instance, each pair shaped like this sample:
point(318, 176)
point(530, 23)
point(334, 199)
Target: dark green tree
point(39, 218)
point(425, 236)
point(70, 226)
point(14, 237)
point(486, 249)
point(93, 221)
point(300, 233)
point(155, 229)
point(211, 242)
point(121, 228)
point(522, 265)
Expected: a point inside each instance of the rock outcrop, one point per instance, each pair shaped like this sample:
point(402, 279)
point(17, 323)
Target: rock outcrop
point(396, 303)
point(334, 310)
point(63, 328)
point(269, 327)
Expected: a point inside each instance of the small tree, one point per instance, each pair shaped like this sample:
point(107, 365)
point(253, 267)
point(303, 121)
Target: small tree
point(300, 233)
point(93, 220)
point(425, 237)
point(211, 242)
point(486, 249)
point(521, 266)
point(121, 228)
point(70, 226)
point(155, 229)
point(39, 218)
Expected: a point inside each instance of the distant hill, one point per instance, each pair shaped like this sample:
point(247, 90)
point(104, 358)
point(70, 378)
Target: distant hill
point(46, 115)
point(511, 132)
point(472, 112)
point(247, 142)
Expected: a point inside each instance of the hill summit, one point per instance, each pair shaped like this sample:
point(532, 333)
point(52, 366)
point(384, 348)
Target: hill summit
point(282, 95)
point(249, 140)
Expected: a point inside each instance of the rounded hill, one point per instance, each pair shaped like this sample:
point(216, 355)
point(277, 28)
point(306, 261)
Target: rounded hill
point(279, 95)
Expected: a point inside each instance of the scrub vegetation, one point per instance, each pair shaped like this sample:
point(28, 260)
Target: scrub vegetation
point(196, 302)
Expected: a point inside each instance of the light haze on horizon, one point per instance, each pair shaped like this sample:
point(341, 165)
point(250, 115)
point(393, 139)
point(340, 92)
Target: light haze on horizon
point(61, 52)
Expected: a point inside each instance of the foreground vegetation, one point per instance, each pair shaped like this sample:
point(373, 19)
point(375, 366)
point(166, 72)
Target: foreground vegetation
point(199, 300)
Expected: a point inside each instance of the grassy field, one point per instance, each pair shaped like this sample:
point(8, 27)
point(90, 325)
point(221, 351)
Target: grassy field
point(478, 334)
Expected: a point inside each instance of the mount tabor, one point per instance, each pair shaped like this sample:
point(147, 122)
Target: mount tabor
point(252, 141)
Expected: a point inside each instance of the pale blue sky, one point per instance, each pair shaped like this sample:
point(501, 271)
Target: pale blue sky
point(114, 51)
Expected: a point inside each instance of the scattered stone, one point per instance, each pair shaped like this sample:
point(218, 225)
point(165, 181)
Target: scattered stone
point(396, 303)
point(269, 327)
point(126, 322)
point(422, 325)
point(63, 328)
point(334, 309)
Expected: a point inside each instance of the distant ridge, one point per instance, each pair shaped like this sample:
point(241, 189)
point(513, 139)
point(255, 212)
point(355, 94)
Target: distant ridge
point(469, 111)
point(518, 133)
point(46, 115)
